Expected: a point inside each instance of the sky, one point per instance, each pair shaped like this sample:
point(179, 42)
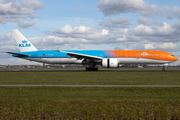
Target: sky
point(90, 25)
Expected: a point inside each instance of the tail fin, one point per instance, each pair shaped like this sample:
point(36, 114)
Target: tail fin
point(23, 44)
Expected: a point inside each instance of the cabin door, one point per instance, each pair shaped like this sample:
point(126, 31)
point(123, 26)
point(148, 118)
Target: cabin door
point(162, 56)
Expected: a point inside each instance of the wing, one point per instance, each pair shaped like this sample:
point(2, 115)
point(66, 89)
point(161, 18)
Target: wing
point(18, 54)
point(82, 56)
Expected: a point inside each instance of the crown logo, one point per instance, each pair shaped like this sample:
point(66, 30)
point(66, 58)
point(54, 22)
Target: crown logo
point(24, 41)
point(144, 53)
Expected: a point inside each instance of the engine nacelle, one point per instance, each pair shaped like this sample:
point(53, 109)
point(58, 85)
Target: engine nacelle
point(110, 63)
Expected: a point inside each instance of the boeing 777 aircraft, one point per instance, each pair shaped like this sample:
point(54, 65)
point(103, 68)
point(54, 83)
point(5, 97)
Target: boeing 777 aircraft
point(90, 58)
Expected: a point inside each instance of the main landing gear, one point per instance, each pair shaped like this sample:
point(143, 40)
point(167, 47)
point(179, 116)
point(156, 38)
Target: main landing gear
point(91, 65)
point(92, 69)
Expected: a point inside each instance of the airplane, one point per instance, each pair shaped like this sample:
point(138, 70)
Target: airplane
point(90, 58)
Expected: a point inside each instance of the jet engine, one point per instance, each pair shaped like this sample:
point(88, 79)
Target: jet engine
point(110, 63)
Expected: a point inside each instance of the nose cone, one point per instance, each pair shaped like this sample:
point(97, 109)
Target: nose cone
point(175, 58)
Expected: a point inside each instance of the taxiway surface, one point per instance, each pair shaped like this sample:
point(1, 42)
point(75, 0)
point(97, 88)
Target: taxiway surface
point(89, 71)
point(89, 85)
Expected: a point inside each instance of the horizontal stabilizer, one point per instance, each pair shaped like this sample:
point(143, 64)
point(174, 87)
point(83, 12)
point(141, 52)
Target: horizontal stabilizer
point(18, 54)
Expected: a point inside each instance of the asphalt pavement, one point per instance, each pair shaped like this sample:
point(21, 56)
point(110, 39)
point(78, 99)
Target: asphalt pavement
point(108, 70)
point(89, 85)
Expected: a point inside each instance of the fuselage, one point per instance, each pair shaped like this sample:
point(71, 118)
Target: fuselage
point(123, 56)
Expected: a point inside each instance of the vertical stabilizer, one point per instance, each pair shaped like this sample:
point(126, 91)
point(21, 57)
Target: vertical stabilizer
point(23, 44)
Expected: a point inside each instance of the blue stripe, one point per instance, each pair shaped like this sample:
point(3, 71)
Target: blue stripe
point(57, 54)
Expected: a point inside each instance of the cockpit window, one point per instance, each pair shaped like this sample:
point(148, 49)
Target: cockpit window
point(172, 55)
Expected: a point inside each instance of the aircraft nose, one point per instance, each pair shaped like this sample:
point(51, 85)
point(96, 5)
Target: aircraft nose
point(175, 58)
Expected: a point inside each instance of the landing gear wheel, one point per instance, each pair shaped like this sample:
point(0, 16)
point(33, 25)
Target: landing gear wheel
point(163, 69)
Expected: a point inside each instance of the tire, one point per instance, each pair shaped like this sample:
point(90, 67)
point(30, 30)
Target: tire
point(163, 69)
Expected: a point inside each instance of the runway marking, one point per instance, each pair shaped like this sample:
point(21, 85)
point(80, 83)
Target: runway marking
point(89, 85)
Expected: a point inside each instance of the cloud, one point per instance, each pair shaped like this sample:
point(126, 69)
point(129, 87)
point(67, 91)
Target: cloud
point(166, 35)
point(176, 26)
point(163, 37)
point(4, 19)
point(105, 32)
point(161, 46)
point(53, 42)
point(175, 11)
point(121, 22)
point(164, 32)
point(118, 48)
point(32, 3)
point(142, 33)
point(168, 47)
point(25, 24)
point(13, 11)
point(13, 8)
point(7, 44)
point(88, 34)
point(81, 29)
point(148, 22)
point(169, 17)
point(144, 21)
point(111, 7)
point(117, 7)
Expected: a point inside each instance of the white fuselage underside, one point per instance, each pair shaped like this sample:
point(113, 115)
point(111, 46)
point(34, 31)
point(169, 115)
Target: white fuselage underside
point(120, 61)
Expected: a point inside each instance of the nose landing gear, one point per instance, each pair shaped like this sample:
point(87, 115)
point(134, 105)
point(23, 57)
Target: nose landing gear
point(164, 67)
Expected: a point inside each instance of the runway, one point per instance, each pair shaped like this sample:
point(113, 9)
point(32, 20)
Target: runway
point(143, 86)
point(118, 70)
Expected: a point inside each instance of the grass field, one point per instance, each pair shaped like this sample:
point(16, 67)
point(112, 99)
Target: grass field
point(91, 78)
point(95, 93)
point(90, 103)
point(95, 110)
